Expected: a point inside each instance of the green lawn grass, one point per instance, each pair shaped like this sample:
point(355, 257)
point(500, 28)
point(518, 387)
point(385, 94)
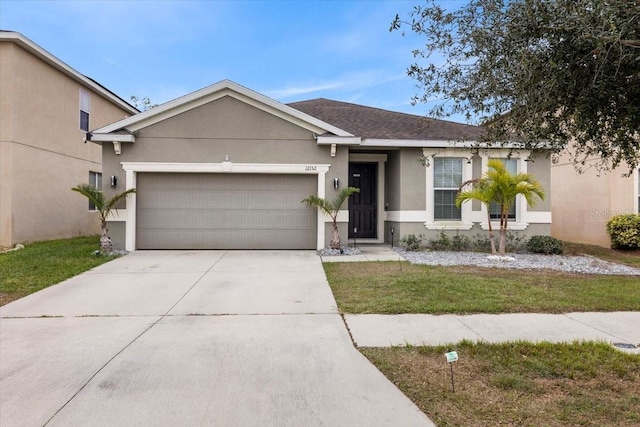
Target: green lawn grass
point(43, 264)
point(391, 288)
point(630, 257)
point(587, 384)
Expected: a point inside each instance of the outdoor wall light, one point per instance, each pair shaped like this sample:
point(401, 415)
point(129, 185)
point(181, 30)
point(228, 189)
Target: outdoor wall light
point(114, 181)
point(336, 183)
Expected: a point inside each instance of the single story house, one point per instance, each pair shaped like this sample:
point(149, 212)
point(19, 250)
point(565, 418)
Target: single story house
point(46, 109)
point(226, 168)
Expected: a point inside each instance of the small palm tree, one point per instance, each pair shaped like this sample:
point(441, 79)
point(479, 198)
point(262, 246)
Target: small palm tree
point(331, 208)
point(500, 186)
point(104, 208)
point(481, 190)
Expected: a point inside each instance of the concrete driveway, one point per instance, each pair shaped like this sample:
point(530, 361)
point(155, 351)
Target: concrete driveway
point(169, 338)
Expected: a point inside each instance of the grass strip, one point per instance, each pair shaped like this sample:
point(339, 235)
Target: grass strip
point(43, 264)
point(586, 383)
point(391, 288)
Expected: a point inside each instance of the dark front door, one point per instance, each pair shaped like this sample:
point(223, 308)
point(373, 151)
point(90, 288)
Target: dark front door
point(363, 206)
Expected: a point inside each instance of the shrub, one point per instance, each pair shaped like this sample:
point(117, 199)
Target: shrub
point(481, 243)
point(624, 231)
point(544, 245)
point(411, 242)
point(442, 243)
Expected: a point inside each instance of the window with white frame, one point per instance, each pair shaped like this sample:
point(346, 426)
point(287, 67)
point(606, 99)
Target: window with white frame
point(447, 179)
point(95, 179)
point(638, 189)
point(494, 209)
point(85, 108)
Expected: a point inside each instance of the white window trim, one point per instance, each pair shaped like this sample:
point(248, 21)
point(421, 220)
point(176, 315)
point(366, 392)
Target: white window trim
point(86, 108)
point(431, 224)
point(521, 222)
point(133, 168)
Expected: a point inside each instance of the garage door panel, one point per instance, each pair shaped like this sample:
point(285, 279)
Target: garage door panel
point(224, 211)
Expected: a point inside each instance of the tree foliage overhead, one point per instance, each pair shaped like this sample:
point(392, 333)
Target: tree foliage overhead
point(545, 73)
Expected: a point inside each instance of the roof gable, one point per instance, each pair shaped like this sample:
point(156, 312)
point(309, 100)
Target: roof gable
point(375, 123)
point(212, 93)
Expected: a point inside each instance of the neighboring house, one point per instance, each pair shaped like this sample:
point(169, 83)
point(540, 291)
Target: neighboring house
point(46, 109)
point(226, 167)
point(584, 202)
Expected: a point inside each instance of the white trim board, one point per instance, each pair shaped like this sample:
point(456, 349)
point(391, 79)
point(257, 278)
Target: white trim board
point(133, 168)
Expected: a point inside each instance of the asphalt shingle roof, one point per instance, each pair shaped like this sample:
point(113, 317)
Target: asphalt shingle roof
point(376, 123)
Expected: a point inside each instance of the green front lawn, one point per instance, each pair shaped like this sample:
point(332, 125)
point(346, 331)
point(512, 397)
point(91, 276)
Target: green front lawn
point(43, 264)
point(518, 384)
point(391, 288)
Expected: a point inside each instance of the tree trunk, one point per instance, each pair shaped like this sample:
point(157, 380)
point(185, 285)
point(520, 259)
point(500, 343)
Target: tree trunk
point(335, 239)
point(503, 233)
point(105, 240)
point(493, 242)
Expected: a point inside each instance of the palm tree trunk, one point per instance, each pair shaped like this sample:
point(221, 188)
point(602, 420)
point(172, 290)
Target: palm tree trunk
point(503, 233)
point(335, 238)
point(105, 241)
point(493, 243)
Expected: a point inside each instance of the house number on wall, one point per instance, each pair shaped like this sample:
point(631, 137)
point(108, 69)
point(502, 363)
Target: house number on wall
point(309, 168)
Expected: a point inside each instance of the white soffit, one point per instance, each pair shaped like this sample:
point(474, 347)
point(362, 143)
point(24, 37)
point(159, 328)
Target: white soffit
point(217, 91)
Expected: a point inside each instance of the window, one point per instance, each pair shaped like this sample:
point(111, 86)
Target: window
point(85, 107)
point(638, 189)
point(494, 208)
point(447, 179)
point(95, 179)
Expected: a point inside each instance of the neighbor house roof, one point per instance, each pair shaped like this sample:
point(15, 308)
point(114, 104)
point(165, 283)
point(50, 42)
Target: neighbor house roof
point(376, 123)
point(43, 55)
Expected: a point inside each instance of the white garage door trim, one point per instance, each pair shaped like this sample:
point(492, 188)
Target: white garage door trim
point(132, 169)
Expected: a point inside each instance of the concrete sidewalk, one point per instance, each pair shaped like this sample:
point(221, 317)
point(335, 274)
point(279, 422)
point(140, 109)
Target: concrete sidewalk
point(172, 338)
point(376, 330)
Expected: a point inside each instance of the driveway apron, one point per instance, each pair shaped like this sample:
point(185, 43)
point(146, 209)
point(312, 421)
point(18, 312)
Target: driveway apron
point(166, 338)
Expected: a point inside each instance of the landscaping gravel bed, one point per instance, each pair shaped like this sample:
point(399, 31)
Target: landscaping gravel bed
point(571, 264)
point(345, 251)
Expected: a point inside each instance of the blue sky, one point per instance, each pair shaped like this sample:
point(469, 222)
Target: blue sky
point(288, 50)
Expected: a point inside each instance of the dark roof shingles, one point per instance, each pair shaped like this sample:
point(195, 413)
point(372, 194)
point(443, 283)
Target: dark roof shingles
point(376, 123)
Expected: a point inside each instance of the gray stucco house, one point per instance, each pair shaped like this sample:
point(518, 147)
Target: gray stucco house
point(226, 168)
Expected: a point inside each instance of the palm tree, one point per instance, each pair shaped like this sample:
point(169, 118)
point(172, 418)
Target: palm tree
point(480, 190)
point(331, 208)
point(104, 208)
point(500, 186)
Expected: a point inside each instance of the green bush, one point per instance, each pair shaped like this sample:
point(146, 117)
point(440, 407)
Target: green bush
point(545, 245)
point(442, 243)
point(624, 231)
point(411, 242)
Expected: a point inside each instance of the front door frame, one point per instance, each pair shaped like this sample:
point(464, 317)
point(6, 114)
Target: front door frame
point(380, 159)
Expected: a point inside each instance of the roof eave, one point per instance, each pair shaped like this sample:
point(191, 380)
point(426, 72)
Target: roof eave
point(209, 93)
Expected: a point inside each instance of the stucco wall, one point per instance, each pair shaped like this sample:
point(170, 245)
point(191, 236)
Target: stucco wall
point(42, 150)
point(583, 203)
point(226, 127)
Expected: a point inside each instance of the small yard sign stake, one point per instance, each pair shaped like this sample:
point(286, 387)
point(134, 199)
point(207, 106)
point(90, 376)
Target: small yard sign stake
point(452, 356)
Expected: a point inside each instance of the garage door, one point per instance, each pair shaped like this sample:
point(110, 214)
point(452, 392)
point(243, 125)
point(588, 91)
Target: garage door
point(224, 211)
